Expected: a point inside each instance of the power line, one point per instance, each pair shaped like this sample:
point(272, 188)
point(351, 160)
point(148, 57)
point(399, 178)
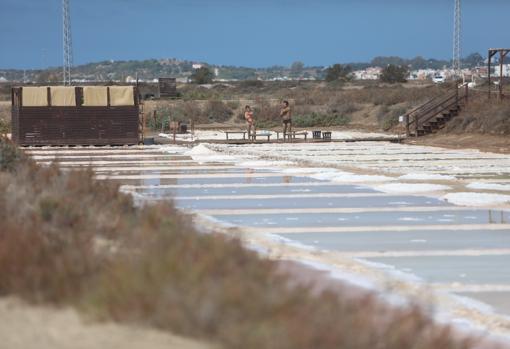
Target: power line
point(68, 43)
point(456, 38)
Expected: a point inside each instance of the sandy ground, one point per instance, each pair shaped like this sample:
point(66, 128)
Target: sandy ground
point(37, 327)
point(486, 142)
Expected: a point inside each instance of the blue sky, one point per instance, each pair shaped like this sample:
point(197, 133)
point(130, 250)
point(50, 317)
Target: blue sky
point(253, 33)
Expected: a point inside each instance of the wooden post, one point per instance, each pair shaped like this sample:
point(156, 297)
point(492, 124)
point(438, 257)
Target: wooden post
point(501, 59)
point(466, 97)
point(502, 54)
point(406, 119)
point(191, 127)
point(457, 95)
point(174, 127)
point(48, 96)
point(489, 71)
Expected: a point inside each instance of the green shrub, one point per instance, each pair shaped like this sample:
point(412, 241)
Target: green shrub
point(202, 76)
point(389, 118)
point(217, 111)
point(181, 111)
point(266, 114)
point(338, 72)
point(317, 120)
point(233, 105)
point(252, 83)
point(394, 74)
point(5, 126)
point(9, 155)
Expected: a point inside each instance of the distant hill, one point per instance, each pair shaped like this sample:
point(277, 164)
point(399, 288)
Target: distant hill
point(153, 68)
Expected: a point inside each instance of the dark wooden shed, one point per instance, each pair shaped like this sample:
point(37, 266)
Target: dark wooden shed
point(92, 115)
point(167, 87)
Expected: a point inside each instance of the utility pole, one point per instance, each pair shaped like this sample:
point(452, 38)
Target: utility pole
point(456, 39)
point(68, 43)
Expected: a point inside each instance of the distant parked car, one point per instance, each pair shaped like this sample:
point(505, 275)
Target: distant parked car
point(438, 79)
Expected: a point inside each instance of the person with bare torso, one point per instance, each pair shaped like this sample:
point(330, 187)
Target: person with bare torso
point(248, 116)
point(286, 115)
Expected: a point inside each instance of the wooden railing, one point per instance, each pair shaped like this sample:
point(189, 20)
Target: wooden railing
point(418, 118)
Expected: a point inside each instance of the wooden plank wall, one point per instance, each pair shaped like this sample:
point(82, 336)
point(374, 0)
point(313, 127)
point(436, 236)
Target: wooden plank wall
point(75, 125)
point(167, 87)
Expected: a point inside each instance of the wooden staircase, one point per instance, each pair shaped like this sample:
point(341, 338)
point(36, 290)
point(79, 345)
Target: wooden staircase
point(434, 114)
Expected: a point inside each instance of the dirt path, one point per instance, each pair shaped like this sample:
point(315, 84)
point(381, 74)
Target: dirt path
point(39, 327)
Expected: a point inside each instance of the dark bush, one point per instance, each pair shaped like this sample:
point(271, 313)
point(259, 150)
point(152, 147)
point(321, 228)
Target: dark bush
point(217, 111)
point(391, 119)
point(9, 155)
point(394, 74)
point(252, 83)
point(338, 72)
point(317, 120)
point(202, 76)
point(5, 127)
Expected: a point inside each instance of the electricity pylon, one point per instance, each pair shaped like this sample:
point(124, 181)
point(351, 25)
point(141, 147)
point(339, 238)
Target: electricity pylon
point(68, 42)
point(456, 39)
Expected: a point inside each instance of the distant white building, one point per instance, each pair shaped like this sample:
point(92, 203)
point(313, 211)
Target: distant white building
point(372, 73)
point(197, 65)
point(2, 79)
point(506, 70)
point(183, 80)
point(422, 74)
point(216, 72)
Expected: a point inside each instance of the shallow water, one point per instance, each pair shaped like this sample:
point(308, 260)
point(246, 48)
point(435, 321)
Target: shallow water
point(214, 180)
point(454, 269)
point(443, 217)
point(451, 258)
point(425, 240)
point(276, 202)
point(235, 190)
point(176, 171)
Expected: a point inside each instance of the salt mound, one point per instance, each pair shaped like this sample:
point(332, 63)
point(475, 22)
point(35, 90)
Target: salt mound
point(200, 149)
point(332, 174)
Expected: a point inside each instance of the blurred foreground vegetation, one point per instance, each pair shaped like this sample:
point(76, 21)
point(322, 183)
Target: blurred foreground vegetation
point(68, 239)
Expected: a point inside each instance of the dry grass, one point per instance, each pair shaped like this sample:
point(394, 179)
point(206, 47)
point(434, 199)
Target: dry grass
point(315, 104)
point(201, 112)
point(66, 238)
point(5, 117)
point(482, 116)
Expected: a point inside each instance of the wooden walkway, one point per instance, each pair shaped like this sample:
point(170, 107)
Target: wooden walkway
point(163, 140)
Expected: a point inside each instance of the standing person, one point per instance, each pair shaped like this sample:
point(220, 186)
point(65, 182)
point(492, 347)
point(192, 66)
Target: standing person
point(248, 116)
point(286, 116)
